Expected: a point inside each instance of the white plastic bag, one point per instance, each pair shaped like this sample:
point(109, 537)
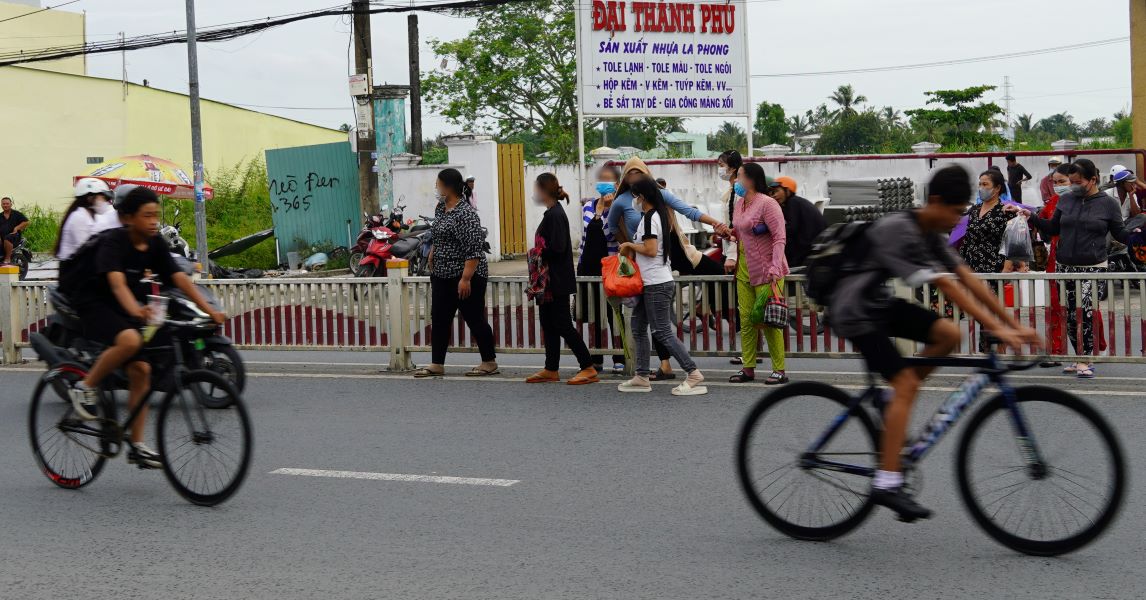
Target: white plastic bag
point(1017, 241)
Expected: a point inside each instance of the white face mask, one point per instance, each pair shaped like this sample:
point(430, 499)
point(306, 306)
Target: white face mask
point(101, 207)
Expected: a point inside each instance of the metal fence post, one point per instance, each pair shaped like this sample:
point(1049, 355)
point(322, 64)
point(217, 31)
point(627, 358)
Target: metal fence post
point(902, 290)
point(10, 327)
point(398, 315)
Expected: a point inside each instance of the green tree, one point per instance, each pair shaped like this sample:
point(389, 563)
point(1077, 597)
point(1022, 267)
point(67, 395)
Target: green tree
point(730, 136)
point(846, 98)
point(964, 121)
point(860, 133)
point(515, 73)
point(1123, 131)
point(820, 117)
point(1096, 127)
point(1059, 127)
point(771, 127)
point(1024, 123)
point(799, 125)
point(643, 134)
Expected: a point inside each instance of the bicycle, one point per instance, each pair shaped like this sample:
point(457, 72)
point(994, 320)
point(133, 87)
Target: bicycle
point(203, 430)
point(828, 471)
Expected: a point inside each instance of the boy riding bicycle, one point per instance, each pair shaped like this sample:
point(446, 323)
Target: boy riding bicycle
point(913, 246)
point(113, 315)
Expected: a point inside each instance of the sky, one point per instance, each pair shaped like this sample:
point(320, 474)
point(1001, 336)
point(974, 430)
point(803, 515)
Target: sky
point(304, 65)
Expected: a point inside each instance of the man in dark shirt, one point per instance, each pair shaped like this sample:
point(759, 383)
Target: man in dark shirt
point(1016, 175)
point(802, 221)
point(12, 222)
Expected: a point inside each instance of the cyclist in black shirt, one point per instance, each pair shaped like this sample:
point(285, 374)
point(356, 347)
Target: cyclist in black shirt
point(113, 315)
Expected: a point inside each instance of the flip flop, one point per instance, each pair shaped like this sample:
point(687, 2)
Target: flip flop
point(660, 375)
point(776, 378)
point(736, 361)
point(741, 377)
point(1072, 368)
point(424, 372)
point(480, 372)
point(1087, 373)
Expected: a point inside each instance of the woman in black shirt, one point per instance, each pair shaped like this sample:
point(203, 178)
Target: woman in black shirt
point(556, 247)
point(985, 225)
point(458, 274)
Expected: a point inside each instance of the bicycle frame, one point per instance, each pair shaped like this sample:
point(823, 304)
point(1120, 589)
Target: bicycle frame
point(989, 370)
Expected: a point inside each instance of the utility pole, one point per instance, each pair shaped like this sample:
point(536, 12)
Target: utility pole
point(123, 64)
point(196, 141)
point(1008, 130)
point(367, 180)
point(415, 87)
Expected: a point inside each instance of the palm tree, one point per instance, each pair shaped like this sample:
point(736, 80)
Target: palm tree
point(1122, 114)
point(798, 125)
point(1024, 123)
point(891, 117)
point(845, 97)
point(820, 117)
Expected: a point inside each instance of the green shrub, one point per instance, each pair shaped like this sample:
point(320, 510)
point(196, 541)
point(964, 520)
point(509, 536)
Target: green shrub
point(43, 228)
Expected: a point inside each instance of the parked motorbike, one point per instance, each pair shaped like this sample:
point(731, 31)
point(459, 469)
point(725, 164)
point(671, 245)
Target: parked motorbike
point(22, 257)
point(215, 352)
point(386, 238)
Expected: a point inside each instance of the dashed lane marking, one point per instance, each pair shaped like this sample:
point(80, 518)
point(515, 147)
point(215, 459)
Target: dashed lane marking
point(396, 477)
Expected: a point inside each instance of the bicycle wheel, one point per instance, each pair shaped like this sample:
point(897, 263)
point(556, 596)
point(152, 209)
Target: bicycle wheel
point(1045, 510)
point(68, 450)
point(206, 444)
point(808, 503)
point(226, 361)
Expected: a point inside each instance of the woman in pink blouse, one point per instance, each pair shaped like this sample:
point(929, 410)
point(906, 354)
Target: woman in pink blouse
point(758, 222)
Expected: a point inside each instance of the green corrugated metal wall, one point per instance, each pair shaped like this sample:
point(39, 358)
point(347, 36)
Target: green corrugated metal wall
point(314, 193)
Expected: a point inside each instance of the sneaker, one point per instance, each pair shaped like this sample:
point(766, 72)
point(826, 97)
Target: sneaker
point(901, 502)
point(618, 368)
point(692, 385)
point(143, 457)
point(636, 384)
point(84, 402)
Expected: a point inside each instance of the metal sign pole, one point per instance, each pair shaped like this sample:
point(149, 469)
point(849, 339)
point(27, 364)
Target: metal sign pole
point(751, 110)
point(580, 15)
point(196, 141)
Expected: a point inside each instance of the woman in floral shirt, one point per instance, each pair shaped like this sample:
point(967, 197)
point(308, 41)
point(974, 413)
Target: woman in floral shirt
point(985, 225)
point(458, 274)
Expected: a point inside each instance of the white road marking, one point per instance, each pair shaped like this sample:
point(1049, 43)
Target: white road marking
point(396, 477)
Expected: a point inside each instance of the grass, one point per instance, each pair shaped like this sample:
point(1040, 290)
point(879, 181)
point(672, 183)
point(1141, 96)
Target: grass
point(43, 228)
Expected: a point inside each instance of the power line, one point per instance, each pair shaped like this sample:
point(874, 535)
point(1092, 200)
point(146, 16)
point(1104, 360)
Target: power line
point(957, 61)
point(36, 12)
point(218, 34)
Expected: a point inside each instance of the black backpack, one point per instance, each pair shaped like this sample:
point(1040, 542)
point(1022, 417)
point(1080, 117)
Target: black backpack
point(79, 269)
point(837, 252)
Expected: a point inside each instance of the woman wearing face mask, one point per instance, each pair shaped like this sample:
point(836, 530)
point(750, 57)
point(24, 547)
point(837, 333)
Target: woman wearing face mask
point(552, 238)
point(985, 225)
point(597, 242)
point(90, 213)
point(760, 268)
point(458, 274)
point(1082, 219)
point(1060, 181)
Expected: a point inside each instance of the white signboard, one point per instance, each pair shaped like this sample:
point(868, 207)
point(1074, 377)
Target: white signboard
point(657, 58)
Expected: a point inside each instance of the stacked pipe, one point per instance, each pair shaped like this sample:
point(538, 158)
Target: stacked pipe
point(868, 199)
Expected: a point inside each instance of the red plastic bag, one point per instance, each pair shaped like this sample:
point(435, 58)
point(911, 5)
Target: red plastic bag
point(618, 282)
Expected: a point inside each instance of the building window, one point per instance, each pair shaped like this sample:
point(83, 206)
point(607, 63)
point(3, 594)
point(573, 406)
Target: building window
point(95, 160)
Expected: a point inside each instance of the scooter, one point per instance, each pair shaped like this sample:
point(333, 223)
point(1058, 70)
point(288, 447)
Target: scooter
point(22, 257)
point(371, 250)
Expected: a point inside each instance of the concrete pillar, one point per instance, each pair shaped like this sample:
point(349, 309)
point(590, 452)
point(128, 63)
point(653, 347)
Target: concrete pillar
point(925, 148)
point(602, 155)
point(478, 156)
point(1138, 74)
point(389, 135)
point(775, 150)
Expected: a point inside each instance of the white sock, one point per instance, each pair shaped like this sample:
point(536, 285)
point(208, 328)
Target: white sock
point(888, 480)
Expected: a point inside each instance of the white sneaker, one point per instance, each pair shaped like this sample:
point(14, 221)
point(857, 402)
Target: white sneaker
point(636, 384)
point(84, 402)
point(692, 385)
point(143, 456)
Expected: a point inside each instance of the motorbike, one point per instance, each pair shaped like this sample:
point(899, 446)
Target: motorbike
point(214, 352)
point(386, 238)
point(22, 257)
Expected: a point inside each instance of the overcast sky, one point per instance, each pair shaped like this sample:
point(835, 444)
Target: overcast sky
point(305, 64)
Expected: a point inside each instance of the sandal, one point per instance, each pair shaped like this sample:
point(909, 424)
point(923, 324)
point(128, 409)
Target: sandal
point(586, 376)
point(1050, 364)
point(736, 361)
point(427, 372)
point(742, 377)
point(480, 371)
point(1070, 369)
point(776, 378)
point(660, 375)
point(1086, 372)
point(544, 376)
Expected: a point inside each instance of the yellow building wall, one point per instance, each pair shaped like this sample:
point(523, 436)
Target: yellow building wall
point(1138, 73)
point(47, 29)
point(50, 123)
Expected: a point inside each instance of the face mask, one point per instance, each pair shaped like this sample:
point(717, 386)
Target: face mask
point(722, 173)
point(604, 188)
point(986, 194)
point(739, 189)
point(102, 208)
point(1078, 190)
point(1061, 189)
point(438, 195)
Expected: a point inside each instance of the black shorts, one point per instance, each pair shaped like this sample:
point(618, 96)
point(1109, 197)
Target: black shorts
point(103, 323)
point(905, 320)
point(14, 239)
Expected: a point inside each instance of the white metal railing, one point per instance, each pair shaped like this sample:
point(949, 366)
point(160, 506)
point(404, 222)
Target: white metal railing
point(393, 314)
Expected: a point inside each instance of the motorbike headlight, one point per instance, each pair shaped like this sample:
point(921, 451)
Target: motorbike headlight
point(380, 235)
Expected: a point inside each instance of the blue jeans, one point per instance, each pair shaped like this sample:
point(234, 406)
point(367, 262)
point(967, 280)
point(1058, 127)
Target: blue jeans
point(655, 312)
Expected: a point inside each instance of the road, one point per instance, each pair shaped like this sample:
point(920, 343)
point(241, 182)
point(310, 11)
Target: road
point(615, 497)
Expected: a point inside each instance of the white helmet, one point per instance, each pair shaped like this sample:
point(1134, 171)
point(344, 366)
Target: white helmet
point(91, 185)
point(1116, 169)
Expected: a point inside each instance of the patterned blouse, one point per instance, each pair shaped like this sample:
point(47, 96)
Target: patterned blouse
point(458, 237)
point(980, 247)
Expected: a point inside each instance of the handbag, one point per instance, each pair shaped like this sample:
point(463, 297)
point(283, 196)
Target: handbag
point(621, 277)
point(538, 289)
point(771, 312)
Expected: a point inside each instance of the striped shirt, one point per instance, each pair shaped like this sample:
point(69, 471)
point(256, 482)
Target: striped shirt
point(587, 213)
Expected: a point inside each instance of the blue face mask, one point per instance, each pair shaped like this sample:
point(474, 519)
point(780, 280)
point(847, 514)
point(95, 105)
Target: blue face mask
point(739, 189)
point(605, 188)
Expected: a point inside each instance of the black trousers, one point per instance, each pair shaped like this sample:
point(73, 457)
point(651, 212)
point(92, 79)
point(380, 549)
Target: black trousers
point(556, 325)
point(446, 304)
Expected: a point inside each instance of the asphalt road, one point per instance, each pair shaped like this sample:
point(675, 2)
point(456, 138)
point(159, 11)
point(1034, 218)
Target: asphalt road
point(616, 497)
